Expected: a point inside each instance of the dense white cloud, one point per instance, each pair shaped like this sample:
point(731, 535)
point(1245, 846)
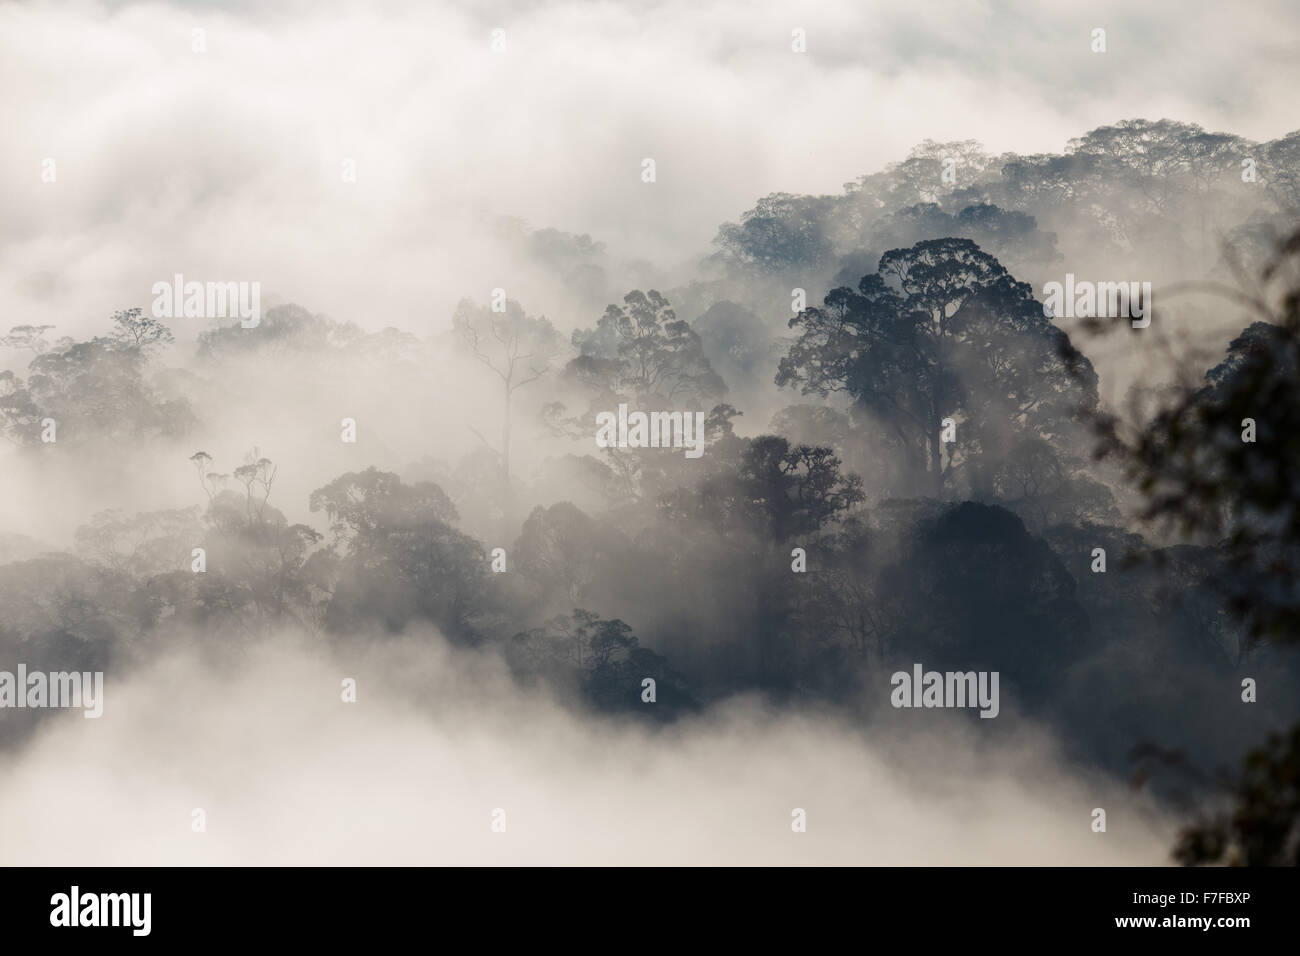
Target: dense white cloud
point(410, 774)
point(226, 164)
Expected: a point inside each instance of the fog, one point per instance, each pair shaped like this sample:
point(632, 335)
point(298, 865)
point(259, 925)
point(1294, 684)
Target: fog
point(395, 475)
point(437, 740)
point(227, 163)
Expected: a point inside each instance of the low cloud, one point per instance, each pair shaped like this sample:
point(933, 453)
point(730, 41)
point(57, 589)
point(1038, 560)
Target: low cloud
point(287, 773)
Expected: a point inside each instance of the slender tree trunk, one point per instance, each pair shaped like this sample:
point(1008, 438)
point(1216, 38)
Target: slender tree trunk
point(507, 500)
point(936, 458)
point(937, 411)
point(505, 441)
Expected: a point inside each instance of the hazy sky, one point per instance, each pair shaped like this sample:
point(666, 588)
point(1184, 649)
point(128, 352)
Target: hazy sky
point(227, 164)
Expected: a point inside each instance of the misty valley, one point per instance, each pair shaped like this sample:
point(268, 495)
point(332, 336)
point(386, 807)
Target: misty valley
point(538, 453)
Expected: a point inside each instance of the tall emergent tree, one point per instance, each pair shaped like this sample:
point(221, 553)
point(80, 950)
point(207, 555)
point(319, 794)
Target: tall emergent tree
point(943, 331)
point(518, 348)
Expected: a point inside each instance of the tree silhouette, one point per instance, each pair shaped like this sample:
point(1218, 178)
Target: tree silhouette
point(517, 347)
point(650, 353)
point(562, 549)
point(1200, 476)
point(96, 390)
point(402, 558)
point(135, 330)
point(943, 331)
